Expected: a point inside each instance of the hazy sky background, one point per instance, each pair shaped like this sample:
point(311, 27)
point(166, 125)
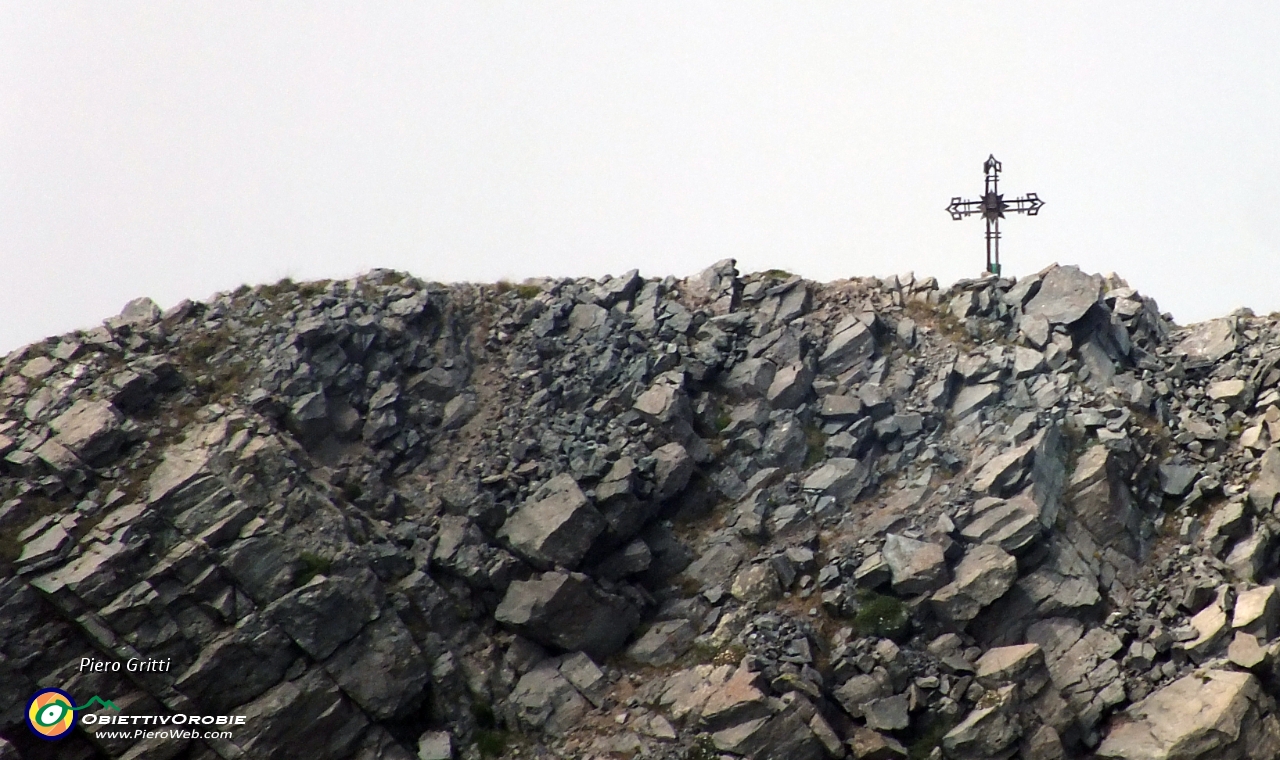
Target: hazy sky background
point(178, 149)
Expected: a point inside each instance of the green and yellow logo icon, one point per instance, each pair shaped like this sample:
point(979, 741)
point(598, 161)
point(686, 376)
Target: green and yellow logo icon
point(51, 713)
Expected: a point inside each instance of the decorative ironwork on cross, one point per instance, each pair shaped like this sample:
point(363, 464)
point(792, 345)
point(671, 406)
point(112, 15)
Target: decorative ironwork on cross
point(993, 206)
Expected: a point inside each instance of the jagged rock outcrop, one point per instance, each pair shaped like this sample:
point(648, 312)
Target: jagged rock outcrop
point(728, 516)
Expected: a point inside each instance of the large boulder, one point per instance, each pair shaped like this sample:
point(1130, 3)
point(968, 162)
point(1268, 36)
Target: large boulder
point(569, 611)
point(382, 669)
point(1212, 715)
point(983, 575)
point(1208, 342)
point(90, 430)
point(557, 529)
point(325, 613)
point(1066, 295)
point(852, 344)
point(917, 566)
point(1101, 500)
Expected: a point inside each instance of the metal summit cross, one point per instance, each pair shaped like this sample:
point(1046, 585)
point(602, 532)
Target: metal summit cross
point(992, 207)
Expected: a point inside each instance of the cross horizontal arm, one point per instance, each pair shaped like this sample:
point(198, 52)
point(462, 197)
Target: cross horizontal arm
point(1030, 205)
point(960, 209)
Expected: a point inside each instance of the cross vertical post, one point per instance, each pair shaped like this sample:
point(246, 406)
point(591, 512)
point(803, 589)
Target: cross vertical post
point(993, 206)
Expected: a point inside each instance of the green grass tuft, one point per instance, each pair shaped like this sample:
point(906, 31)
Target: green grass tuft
point(310, 565)
point(491, 743)
point(883, 616)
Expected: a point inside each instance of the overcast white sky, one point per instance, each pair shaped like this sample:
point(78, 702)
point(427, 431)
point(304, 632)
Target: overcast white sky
point(178, 149)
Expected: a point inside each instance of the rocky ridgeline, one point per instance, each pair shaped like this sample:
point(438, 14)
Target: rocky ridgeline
point(719, 517)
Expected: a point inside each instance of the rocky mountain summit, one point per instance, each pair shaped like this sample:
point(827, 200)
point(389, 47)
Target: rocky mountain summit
point(714, 518)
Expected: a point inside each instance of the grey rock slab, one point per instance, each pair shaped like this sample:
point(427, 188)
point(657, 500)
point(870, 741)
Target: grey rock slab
point(1233, 391)
point(983, 575)
point(91, 429)
point(866, 744)
point(1208, 342)
point(382, 669)
point(887, 713)
point(665, 401)
point(568, 611)
point(309, 716)
point(841, 478)
point(750, 378)
point(308, 417)
point(1266, 484)
point(917, 567)
point(459, 410)
point(1257, 611)
point(673, 466)
point(971, 398)
point(790, 386)
point(59, 458)
point(44, 547)
point(179, 467)
point(854, 694)
point(435, 745)
point(38, 368)
point(543, 699)
point(1210, 715)
point(140, 311)
point(1035, 328)
point(1012, 525)
point(1004, 472)
point(1065, 295)
point(840, 407)
point(1027, 362)
point(715, 566)
point(852, 344)
point(756, 583)
point(663, 643)
point(1176, 479)
point(238, 667)
point(1012, 664)
point(1244, 651)
point(737, 700)
point(557, 529)
point(586, 677)
point(986, 732)
point(1211, 628)
point(325, 613)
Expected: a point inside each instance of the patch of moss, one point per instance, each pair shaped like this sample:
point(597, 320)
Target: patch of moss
point(930, 732)
point(278, 288)
point(815, 445)
point(883, 616)
point(203, 348)
point(491, 743)
point(312, 289)
point(308, 566)
point(702, 749)
point(484, 715)
point(704, 654)
point(351, 491)
point(778, 274)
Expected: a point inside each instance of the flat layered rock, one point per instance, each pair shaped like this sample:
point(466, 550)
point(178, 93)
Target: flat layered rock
point(1065, 295)
point(1212, 715)
point(570, 612)
point(918, 567)
point(557, 529)
point(90, 429)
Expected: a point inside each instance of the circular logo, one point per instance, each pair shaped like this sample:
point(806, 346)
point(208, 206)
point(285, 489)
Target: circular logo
point(50, 715)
